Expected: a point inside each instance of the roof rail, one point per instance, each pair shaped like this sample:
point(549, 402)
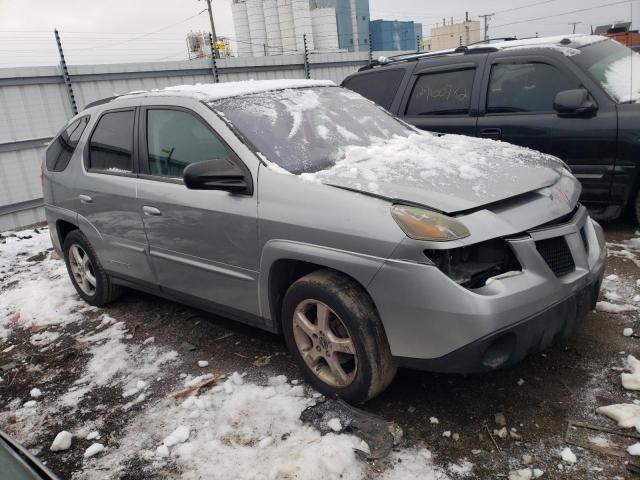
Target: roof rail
point(495, 39)
point(102, 101)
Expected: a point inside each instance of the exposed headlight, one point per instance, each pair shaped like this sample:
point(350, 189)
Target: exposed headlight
point(421, 224)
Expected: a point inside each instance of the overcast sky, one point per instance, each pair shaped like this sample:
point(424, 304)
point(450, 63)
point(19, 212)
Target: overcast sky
point(147, 30)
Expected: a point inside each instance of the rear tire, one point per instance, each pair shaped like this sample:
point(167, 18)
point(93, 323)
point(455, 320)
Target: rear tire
point(86, 272)
point(334, 333)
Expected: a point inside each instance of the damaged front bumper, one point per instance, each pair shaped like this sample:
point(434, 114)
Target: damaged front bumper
point(436, 324)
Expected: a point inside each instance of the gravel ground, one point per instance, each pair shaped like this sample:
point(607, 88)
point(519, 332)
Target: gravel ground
point(537, 397)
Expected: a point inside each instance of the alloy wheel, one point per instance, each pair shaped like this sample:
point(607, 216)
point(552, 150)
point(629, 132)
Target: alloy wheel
point(82, 269)
point(324, 343)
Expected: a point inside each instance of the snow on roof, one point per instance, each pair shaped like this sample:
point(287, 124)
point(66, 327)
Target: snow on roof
point(216, 91)
point(555, 43)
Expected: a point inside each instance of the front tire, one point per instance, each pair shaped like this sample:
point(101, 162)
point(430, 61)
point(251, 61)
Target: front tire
point(86, 272)
point(334, 333)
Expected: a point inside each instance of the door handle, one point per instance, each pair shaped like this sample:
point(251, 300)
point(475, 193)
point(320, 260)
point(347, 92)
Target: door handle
point(151, 211)
point(491, 132)
point(85, 198)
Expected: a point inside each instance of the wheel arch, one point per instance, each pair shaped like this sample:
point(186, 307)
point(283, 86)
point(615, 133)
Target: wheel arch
point(283, 262)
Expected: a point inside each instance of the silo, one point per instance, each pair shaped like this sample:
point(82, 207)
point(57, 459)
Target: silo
point(258, 29)
point(302, 22)
point(241, 26)
point(354, 26)
point(287, 28)
point(272, 24)
point(325, 29)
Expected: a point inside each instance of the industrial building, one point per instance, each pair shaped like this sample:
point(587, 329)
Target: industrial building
point(453, 35)
point(352, 19)
point(279, 27)
point(395, 35)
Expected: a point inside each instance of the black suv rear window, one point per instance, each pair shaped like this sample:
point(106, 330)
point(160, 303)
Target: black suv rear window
point(379, 86)
point(442, 93)
point(62, 147)
point(111, 143)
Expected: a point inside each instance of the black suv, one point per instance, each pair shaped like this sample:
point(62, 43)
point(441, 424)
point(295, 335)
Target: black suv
point(573, 96)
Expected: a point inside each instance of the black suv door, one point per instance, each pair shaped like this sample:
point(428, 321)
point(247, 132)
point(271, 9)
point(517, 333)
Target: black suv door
point(443, 93)
point(516, 105)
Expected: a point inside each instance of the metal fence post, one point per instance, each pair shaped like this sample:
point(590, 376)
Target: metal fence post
point(65, 75)
point(214, 65)
point(418, 43)
point(307, 69)
point(370, 49)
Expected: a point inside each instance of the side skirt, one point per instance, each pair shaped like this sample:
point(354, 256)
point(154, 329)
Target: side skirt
point(195, 302)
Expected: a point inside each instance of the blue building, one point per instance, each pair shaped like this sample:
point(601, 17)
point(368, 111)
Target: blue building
point(352, 18)
point(394, 35)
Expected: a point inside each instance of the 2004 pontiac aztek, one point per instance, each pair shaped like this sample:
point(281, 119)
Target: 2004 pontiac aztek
point(302, 208)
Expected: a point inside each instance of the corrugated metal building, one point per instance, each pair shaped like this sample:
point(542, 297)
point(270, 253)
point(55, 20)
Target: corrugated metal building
point(34, 106)
point(395, 35)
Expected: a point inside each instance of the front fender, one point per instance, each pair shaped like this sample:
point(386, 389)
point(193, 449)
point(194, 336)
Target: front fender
point(358, 266)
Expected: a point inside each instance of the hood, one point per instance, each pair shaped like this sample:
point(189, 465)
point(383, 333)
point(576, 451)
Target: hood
point(449, 173)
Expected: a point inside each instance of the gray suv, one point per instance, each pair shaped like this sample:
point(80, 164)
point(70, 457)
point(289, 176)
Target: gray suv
point(303, 208)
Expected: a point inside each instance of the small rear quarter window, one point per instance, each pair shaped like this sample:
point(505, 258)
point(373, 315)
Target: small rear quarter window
point(62, 147)
point(378, 86)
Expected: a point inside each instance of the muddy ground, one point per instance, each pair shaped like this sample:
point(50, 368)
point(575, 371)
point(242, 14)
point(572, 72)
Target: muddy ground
point(537, 396)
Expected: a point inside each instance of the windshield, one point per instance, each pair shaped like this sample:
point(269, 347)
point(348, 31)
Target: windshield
point(615, 67)
point(304, 130)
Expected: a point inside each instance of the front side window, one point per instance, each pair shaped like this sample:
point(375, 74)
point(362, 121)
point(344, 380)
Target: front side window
point(380, 86)
point(175, 139)
point(525, 87)
point(442, 93)
point(62, 147)
point(111, 143)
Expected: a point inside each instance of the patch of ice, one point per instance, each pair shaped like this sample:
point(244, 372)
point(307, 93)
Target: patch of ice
point(334, 424)
point(631, 381)
point(634, 449)
point(93, 449)
point(61, 442)
point(614, 308)
point(525, 474)
point(626, 414)
point(568, 456)
point(35, 393)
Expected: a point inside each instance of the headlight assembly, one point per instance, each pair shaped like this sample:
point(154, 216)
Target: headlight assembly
point(422, 224)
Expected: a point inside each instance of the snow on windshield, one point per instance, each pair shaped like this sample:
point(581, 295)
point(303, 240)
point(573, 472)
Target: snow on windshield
point(303, 130)
point(622, 78)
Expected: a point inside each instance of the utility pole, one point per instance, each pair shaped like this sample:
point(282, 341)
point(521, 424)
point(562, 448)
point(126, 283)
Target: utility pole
point(213, 28)
point(574, 25)
point(486, 18)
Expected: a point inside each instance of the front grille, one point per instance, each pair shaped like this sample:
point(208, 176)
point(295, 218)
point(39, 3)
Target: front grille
point(585, 242)
point(556, 253)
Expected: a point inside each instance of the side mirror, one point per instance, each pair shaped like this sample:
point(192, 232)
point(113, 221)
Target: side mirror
point(216, 174)
point(574, 102)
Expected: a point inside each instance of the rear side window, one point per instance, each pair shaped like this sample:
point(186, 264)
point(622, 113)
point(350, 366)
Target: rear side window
point(62, 147)
point(525, 87)
point(379, 87)
point(175, 139)
point(442, 93)
point(111, 143)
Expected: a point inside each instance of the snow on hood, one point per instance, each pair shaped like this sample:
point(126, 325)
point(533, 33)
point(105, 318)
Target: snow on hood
point(217, 91)
point(446, 172)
